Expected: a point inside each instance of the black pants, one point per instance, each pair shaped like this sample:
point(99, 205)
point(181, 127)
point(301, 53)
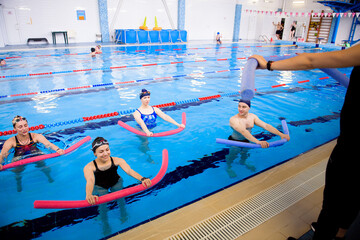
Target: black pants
point(341, 194)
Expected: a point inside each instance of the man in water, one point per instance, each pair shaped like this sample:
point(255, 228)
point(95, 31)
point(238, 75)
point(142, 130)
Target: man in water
point(243, 122)
point(2, 62)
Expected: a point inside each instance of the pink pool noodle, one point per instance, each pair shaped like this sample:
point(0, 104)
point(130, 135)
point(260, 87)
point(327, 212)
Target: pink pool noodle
point(108, 197)
point(161, 134)
point(46, 156)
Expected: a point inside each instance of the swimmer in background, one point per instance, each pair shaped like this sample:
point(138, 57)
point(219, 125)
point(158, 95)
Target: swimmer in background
point(101, 177)
point(2, 62)
point(279, 30)
point(95, 50)
point(292, 30)
point(218, 38)
point(146, 115)
point(24, 143)
point(243, 122)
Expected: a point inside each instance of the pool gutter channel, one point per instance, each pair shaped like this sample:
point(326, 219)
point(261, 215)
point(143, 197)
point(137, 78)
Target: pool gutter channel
point(242, 217)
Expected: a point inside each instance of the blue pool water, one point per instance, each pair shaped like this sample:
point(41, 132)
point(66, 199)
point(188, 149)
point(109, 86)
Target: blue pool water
point(197, 165)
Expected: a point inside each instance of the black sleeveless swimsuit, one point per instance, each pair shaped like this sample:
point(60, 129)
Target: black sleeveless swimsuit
point(21, 150)
point(108, 177)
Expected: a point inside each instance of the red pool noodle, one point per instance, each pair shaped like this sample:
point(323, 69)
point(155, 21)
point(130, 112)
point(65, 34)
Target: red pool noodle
point(161, 134)
point(46, 156)
point(108, 197)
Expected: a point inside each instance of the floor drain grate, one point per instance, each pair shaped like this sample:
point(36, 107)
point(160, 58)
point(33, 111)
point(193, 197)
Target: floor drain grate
point(242, 217)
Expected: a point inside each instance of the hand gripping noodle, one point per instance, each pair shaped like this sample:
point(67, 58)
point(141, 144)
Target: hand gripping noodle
point(46, 156)
point(253, 145)
point(247, 89)
point(161, 134)
point(108, 197)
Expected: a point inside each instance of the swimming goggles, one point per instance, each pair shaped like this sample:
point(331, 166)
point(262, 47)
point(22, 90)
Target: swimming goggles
point(18, 119)
point(100, 143)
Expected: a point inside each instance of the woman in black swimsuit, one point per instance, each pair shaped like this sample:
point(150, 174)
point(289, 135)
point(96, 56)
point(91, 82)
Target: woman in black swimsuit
point(101, 174)
point(24, 144)
point(292, 30)
point(102, 177)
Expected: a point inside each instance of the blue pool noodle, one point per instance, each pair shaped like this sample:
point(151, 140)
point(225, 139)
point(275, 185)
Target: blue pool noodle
point(253, 145)
point(247, 89)
point(337, 75)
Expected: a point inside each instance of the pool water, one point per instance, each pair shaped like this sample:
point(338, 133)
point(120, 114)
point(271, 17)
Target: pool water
point(197, 167)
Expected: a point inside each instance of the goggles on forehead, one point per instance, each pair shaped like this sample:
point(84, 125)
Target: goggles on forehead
point(18, 119)
point(100, 143)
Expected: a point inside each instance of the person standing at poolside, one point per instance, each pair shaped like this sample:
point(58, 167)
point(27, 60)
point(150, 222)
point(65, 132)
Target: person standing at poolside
point(243, 122)
point(292, 30)
point(146, 115)
point(341, 202)
point(218, 38)
point(279, 30)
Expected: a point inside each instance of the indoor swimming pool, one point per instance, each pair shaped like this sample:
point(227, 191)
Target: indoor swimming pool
point(73, 95)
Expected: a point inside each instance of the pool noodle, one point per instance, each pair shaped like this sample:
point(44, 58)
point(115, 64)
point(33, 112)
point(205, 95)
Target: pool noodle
point(253, 145)
point(247, 89)
point(161, 134)
point(108, 197)
point(337, 75)
point(46, 156)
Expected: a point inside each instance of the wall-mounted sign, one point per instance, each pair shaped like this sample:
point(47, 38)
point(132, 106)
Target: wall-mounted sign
point(80, 14)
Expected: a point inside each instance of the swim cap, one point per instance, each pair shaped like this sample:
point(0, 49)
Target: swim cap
point(92, 49)
point(144, 93)
point(98, 142)
point(247, 102)
point(218, 32)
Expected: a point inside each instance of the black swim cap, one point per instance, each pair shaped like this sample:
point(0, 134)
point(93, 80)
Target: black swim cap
point(92, 49)
point(247, 102)
point(98, 142)
point(144, 93)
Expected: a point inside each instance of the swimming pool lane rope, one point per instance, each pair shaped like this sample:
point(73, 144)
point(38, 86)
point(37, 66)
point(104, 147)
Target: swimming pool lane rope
point(130, 111)
point(115, 68)
point(131, 81)
point(144, 50)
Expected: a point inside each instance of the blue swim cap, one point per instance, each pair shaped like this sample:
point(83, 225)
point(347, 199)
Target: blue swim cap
point(247, 102)
point(218, 32)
